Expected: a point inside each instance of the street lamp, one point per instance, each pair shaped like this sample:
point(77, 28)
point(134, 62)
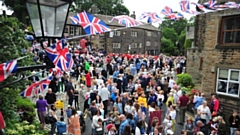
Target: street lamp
point(48, 17)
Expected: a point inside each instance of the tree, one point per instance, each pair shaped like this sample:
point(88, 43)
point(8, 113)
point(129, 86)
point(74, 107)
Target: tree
point(170, 33)
point(106, 7)
point(13, 43)
point(19, 8)
point(177, 25)
point(168, 47)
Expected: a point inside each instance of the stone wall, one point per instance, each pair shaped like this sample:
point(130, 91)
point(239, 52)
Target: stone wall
point(213, 56)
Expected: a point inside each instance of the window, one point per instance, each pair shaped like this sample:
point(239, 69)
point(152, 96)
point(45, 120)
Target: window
point(228, 81)
point(134, 45)
point(140, 45)
point(134, 34)
point(71, 30)
point(76, 30)
point(155, 34)
point(148, 43)
point(116, 45)
point(230, 33)
point(117, 33)
point(149, 33)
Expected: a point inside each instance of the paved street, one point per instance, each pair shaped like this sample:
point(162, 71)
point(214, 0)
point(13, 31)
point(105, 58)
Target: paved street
point(88, 122)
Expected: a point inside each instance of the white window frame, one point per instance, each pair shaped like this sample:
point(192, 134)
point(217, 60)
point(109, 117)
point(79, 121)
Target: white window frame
point(117, 33)
point(71, 32)
point(116, 45)
point(228, 81)
point(140, 45)
point(133, 34)
point(148, 43)
point(134, 45)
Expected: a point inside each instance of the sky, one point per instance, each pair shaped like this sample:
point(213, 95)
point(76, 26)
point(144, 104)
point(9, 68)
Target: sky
point(140, 6)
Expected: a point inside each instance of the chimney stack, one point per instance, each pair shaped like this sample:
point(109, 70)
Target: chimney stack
point(133, 15)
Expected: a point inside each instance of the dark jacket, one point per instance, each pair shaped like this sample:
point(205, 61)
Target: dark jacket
point(222, 129)
point(236, 125)
point(51, 98)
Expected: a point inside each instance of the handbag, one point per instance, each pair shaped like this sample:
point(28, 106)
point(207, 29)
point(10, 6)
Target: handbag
point(49, 119)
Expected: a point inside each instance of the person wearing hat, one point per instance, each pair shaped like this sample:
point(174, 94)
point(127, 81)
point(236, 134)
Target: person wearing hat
point(111, 129)
point(183, 103)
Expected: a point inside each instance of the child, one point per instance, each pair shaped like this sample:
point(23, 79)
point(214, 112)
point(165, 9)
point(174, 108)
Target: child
point(61, 126)
point(99, 130)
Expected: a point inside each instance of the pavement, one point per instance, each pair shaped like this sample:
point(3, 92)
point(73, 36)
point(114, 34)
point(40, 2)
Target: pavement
point(88, 122)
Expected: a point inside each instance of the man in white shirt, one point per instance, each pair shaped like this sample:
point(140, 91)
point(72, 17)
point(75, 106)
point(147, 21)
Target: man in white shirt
point(103, 93)
point(171, 82)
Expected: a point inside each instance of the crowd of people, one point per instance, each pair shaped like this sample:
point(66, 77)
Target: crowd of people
point(122, 92)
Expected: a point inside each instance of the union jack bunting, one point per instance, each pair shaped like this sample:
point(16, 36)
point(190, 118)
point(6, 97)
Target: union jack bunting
point(201, 7)
point(36, 87)
point(90, 24)
point(58, 72)
point(185, 5)
point(179, 16)
point(60, 55)
point(43, 85)
point(152, 17)
point(192, 12)
point(167, 11)
point(6, 69)
point(232, 5)
point(126, 21)
point(211, 4)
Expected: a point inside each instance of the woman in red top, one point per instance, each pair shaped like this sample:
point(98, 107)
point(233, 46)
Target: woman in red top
point(88, 80)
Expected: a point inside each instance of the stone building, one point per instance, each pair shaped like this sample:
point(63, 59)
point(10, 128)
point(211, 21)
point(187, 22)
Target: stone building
point(141, 39)
point(214, 63)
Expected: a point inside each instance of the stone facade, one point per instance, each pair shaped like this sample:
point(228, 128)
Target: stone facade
point(209, 55)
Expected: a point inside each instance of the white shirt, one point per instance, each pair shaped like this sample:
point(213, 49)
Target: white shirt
point(95, 120)
point(103, 93)
point(172, 114)
point(204, 110)
point(137, 131)
point(160, 97)
point(171, 81)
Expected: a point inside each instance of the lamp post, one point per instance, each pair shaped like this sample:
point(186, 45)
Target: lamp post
point(48, 18)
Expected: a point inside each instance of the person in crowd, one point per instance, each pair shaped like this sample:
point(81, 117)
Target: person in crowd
point(214, 105)
point(173, 114)
point(118, 105)
point(189, 126)
point(41, 105)
point(50, 98)
point(52, 113)
point(88, 80)
point(198, 101)
point(183, 103)
point(142, 99)
point(103, 93)
point(131, 122)
point(111, 129)
point(222, 128)
point(76, 94)
point(205, 112)
point(127, 130)
point(169, 102)
point(70, 92)
point(98, 101)
point(123, 125)
point(95, 119)
point(234, 122)
point(202, 127)
point(74, 123)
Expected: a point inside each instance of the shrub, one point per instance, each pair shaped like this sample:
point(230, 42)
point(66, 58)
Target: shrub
point(26, 109)
point(185, 80)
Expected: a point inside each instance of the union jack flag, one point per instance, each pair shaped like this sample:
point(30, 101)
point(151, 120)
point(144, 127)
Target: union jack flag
point(232, 5)
point(192, 12)
point(43, 85)
point(201, 7)
point(152, 17)
point(58, 72)
point(91, 25)
point(60, 55)
point(6, 69)
point(211, 4)
point(167, 11)
point(126, 21)
point(185, 5)
point(179, 16)
point(36, 87)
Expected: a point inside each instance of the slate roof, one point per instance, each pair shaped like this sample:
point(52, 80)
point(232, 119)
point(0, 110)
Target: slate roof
point(107, 19)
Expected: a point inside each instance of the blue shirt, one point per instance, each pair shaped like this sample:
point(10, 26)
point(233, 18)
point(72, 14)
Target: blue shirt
point(115, 74)
point(122, 126)
point(133, 70)
point(132, 124)
point(198, 102)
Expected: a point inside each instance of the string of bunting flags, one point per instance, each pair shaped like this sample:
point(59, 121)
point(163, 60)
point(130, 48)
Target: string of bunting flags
point(93, 25)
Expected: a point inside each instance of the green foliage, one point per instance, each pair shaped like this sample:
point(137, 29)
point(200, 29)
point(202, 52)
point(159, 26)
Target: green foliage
point(24, 128)
point(106, 7)
point(188, 43)
point(170, 33)
point(178, 25)
point(186, 89)
point(168, 47)
point(185, 80)
point(13, 41)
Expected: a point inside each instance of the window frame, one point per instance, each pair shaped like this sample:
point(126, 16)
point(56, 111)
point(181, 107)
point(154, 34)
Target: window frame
point(228, 81)
point(117, 33)
point(116, 45)
point(148, 42)
point(134, 34)
point(140, 45)
point(222, 31)
point(71, 31)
